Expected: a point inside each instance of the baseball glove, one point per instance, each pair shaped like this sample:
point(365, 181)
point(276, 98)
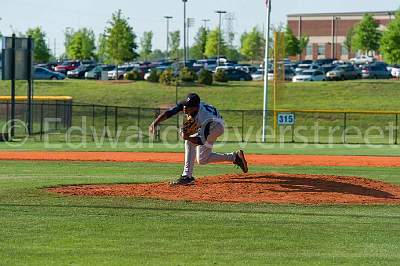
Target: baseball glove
point(189, 126)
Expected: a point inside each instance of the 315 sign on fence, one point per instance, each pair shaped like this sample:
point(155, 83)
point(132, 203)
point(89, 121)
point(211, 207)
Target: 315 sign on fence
point(286, 119)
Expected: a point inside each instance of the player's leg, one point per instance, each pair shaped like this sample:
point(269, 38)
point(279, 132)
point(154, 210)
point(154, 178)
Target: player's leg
point(190, 156)
point(206, 156)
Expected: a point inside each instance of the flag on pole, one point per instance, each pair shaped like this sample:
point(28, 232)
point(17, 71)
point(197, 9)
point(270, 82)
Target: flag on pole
point(268, 4)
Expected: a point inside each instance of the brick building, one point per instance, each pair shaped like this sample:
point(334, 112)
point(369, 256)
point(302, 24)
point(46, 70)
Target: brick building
point(327, 31)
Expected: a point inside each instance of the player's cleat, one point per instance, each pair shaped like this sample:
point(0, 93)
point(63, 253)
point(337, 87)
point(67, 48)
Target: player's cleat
point(183, 181)
point(240, 161)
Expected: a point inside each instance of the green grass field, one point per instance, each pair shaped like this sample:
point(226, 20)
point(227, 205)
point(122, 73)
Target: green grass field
point(353, 95)
point(38, 228)
point(381, 95)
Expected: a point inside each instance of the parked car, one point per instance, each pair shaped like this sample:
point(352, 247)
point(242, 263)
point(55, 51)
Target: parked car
point(302, 67)
point(205, 62)
point(375, 72)
point(224, 68)
point(395, 71)
point(247, 68)
point(289, 74)
point(211, 68)
point(235, 74)
point(121, 72)
point(258, 75)
point(310, 75)
point(326, 61)
point(95, 73)
point(362, 59)
point(327, 68)
point(79, 73)
point(50, 66)
point(342, 72)
point(43, 73)
point(308, 62)
point(67, 66)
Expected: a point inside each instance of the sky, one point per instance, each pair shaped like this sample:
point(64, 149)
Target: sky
point(148, 15)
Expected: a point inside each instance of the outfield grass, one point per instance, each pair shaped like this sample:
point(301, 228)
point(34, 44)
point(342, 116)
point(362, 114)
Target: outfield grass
point(38, 228)
point(353, 95)
point(350, 95)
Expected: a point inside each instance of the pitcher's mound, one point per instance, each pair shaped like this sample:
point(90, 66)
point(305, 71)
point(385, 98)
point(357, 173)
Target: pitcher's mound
point(256, 188)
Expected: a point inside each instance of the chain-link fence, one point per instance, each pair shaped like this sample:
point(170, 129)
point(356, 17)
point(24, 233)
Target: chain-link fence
point(71, 122)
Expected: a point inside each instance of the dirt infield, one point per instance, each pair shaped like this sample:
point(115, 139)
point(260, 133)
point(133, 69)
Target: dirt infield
point(255, 188)
point(253, 159)
point(250, 188)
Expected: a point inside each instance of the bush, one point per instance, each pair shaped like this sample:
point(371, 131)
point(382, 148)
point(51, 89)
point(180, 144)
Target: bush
point(187, 75)
point(154, 76)
point(205, 77)
point(133, 75)
point(220, 76)
point(167, 77)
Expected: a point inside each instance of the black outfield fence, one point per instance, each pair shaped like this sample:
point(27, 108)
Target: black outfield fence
point(67, 121)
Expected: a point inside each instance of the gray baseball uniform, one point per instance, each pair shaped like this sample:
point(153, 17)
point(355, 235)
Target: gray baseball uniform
point(211, 126)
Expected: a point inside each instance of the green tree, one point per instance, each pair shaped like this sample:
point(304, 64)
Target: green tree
point(292, 44)
point(41, 52)
point(366, 36)
point(146, 43)
point(120, 39)
point(102, 55)
point(157, 54)
point(199, 48)
point(348, 42)
point(175, 41)
point(252, 44)
point(68, 32)
point(82, 45)
point(233, 54)
point(390, 42)
point(303, 43)
point(212, 44)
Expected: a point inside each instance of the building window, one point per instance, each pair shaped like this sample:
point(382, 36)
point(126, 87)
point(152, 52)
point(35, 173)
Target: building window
point(321, 49)
point(345, 51)
point(309, 50)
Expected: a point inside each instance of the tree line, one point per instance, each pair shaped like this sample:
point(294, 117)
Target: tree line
point(119, 43)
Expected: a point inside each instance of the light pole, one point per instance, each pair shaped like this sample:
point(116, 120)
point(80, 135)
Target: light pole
point(219, 12)
point(184, 32)
point(189, 24)
point(205, 21)
point(167, 18)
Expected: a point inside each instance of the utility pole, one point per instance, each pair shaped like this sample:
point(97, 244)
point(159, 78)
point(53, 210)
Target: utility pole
point(168, 18)
point(219, 12)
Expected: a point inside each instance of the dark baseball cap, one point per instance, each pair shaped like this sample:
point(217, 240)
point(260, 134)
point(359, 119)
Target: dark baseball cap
point(192, 100)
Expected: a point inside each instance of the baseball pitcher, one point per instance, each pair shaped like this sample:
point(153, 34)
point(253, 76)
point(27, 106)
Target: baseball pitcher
point(202, 127)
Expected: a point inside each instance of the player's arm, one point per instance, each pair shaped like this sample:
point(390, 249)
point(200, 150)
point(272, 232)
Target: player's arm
point(165, 116)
